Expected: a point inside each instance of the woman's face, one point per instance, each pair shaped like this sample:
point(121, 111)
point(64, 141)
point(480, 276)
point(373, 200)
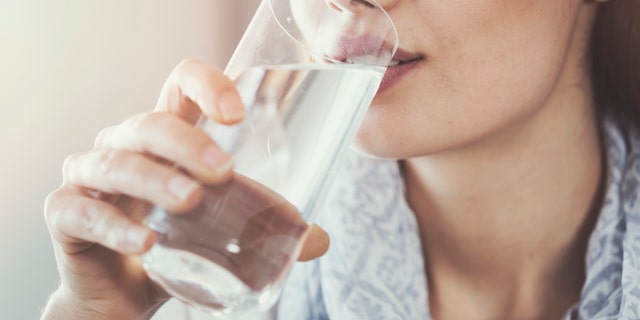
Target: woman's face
point(482, 67)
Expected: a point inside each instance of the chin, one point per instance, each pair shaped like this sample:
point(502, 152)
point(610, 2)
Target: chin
point(380, 149)
point(401, 148)
point(373, 154)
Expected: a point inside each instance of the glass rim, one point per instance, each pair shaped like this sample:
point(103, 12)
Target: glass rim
point(393, 32)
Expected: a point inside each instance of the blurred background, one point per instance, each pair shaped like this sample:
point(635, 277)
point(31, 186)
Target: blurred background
point(67, 69)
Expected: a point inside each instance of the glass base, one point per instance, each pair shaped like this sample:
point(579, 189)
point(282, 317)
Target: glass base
point(203, 284)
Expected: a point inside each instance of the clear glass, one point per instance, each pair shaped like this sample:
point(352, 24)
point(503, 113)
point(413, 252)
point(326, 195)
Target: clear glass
point(307, 70)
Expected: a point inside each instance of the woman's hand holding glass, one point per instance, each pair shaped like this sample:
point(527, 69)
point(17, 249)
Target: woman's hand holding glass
point(160, 157)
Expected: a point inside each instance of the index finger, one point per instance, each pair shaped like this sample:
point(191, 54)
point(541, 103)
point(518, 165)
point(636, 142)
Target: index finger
point(195, 88)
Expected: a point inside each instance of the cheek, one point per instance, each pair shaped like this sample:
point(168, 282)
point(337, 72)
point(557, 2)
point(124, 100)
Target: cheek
point(491, 64)
point(505, 62)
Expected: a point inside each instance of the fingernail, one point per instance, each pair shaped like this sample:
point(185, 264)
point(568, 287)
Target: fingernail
point(230, 106)
point(217, 160)
point(182, 187)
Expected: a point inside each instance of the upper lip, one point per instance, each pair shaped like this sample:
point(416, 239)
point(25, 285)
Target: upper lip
point(349, 48)
point(352, 47)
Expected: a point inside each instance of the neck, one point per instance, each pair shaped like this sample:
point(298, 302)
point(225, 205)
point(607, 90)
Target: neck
point(513, 217)
point(505, 221)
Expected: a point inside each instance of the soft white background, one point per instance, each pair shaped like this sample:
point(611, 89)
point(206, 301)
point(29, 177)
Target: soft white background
point(67, 69)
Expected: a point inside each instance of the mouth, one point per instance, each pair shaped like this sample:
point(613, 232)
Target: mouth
point(403, 63)
point(366, 50)
point(354, 53)
point(341, 7)
point(363, 49)
point(405, 57)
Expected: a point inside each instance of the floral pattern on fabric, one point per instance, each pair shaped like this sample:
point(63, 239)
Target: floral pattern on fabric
point(374, 269)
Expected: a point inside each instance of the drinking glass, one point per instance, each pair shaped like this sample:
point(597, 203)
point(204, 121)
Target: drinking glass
point(306, 70)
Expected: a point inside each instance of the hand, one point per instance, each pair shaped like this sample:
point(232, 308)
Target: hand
point(94, 217)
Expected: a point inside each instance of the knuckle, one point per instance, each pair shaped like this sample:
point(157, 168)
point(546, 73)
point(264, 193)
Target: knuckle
point(184, 69)
point(110, 160)
point(187, 63)
point(86, 219)
point(68, 167)
point(137, 122)
point(140, 123)
point(201, 76)
point(69, 218)
point(51, 205)
point(101, 138)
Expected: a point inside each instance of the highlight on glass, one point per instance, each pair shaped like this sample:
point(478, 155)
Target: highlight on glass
point(307, 71)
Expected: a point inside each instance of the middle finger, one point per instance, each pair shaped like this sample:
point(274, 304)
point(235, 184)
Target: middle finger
point(124, 172)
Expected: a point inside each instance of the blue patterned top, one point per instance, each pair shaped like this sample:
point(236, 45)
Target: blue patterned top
point(374, 269)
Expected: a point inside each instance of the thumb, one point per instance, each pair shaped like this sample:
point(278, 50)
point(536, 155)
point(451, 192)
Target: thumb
point(195, 87)
point(316, 244)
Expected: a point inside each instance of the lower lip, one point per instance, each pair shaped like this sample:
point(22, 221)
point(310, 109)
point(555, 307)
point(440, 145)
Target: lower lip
point(395, 73)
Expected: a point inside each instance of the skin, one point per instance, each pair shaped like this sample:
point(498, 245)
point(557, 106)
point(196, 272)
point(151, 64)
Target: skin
point(94, 217)
point(498, 142)
point(502, 154)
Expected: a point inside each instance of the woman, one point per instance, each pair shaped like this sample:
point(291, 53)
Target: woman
point(519, 158)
